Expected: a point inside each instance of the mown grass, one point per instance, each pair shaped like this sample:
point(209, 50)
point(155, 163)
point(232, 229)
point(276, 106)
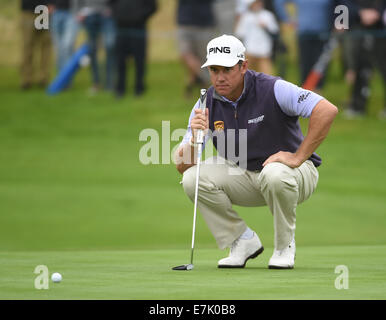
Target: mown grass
point(147, 275)
point(73, 192)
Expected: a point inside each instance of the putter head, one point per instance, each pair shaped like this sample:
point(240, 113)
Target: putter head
point(184, 267)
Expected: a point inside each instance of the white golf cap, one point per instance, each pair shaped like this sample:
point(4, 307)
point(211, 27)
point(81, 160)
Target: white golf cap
point(224, 51)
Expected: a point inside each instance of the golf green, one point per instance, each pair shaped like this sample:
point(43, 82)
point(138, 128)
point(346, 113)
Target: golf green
point(147, 274)
point(75, 197)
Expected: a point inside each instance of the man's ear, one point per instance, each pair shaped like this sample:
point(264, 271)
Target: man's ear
point(244, 67)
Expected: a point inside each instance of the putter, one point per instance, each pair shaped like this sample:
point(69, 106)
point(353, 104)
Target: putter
point(200, 141)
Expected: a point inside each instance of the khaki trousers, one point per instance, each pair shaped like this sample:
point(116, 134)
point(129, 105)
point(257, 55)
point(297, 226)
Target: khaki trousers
point(34, 41)
point(222, 184)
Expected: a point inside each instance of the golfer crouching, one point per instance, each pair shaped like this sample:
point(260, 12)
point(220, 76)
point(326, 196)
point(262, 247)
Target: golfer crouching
point(263, 157)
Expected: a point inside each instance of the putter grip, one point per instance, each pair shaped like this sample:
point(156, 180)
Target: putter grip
point(200, 133)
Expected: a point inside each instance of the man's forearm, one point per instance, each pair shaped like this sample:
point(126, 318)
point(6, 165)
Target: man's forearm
point(320, 122)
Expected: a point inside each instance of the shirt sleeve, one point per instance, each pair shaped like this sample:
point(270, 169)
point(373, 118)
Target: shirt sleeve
point(294, 100)
point(272, 25)
point(241, 28)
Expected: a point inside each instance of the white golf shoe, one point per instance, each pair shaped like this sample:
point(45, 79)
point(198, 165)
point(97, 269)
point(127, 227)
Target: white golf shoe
point(283, 259)
point(242, 250)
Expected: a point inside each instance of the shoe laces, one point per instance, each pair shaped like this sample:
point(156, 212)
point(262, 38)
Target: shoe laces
point(234, 245)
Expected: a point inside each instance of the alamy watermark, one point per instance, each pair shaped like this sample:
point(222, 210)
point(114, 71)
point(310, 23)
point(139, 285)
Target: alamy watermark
point(42, 21)
point(342, 281)
point(157, 148)
point(41, 281)
point(342, 20)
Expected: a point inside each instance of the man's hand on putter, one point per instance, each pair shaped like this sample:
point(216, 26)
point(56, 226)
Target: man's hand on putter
point(289, 159)
point(200, 122)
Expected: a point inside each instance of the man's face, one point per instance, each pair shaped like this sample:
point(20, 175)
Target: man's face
point(228, 81)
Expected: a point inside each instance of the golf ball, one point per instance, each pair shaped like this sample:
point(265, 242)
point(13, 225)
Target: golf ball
point(56, 277)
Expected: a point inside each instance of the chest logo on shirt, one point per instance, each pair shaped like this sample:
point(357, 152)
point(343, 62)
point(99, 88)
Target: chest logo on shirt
point(256, 120)
point(219, 125)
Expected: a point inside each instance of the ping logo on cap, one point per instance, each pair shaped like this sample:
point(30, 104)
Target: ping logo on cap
point(220, 50)
point(224, 51)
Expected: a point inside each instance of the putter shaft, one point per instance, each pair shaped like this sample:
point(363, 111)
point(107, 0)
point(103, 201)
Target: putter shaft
point(195, 200)
point(200, 142)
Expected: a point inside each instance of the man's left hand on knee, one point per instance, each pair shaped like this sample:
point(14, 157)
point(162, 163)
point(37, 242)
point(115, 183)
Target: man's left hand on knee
point(289, 159)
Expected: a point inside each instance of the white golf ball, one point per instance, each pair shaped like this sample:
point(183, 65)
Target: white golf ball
point(56, 277)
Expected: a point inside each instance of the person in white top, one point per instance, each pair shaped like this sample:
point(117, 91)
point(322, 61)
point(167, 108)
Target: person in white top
point(256, 27)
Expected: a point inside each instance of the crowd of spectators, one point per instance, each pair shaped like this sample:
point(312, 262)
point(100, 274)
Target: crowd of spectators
point(120, 27)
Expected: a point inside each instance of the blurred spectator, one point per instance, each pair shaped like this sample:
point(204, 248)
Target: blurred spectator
point(368, 33)
point(131, 17)
point(349, 44)
point(96, 17)
point(313, 24)
point(196, 22)
point(35, 42)
point(64, 29)
point(269, 5)
point(257, 27)
point(241, 7)
point(279, 49)
point(225, 13)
